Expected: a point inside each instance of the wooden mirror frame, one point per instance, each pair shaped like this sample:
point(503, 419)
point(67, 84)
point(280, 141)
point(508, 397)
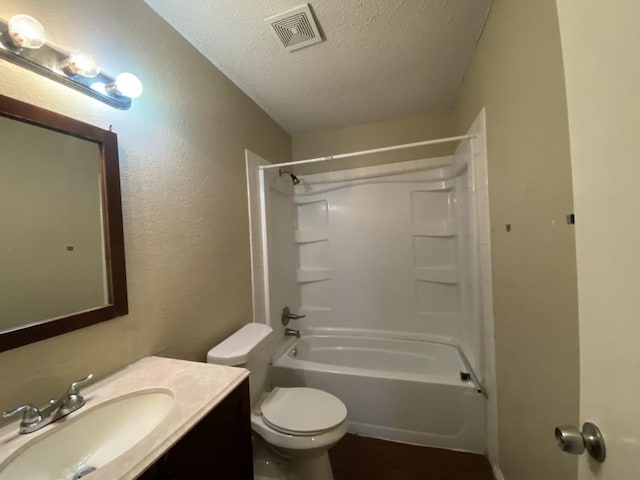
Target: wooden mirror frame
point(113, 235)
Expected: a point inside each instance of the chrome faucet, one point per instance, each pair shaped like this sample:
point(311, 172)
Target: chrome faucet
point(34, 418)
point(291, 332)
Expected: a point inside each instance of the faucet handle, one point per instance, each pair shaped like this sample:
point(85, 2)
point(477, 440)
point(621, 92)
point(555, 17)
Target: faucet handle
point(73, 400)
point(74, 388)
point(287, 315)
point(30, 414)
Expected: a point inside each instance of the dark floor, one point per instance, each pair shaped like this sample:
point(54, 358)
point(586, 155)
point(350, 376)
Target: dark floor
point(363, 458)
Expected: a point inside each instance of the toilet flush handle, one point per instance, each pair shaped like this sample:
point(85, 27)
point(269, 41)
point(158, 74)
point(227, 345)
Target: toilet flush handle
point(287, 316)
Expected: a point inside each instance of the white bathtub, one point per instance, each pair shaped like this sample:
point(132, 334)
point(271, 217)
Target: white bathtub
point(403, 390)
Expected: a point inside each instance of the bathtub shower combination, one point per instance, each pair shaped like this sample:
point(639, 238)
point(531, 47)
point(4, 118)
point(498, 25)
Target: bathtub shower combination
point(384, 262)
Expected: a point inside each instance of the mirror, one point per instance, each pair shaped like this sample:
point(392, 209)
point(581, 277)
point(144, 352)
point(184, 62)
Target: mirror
point(61, 247)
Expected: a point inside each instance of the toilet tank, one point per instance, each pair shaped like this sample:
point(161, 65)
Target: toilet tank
point(248, 347)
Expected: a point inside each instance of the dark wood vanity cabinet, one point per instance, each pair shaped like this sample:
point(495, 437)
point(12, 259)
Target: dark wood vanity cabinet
point(218, 447)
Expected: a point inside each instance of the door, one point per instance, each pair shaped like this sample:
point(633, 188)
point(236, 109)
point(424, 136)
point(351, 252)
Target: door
point(601, 51)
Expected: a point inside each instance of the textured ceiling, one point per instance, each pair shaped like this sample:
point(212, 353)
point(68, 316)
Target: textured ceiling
point(381, 58)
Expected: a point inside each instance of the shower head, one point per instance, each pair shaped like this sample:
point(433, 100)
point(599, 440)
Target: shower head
point(294, 179)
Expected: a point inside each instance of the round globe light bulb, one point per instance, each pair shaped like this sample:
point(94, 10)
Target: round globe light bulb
point(81, 63)
point(26, 31)
point(129, 85)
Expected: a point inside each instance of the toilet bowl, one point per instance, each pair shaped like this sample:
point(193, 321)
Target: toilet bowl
point(298, 424)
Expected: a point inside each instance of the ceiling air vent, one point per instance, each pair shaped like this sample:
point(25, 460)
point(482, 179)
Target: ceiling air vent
point(296, 28)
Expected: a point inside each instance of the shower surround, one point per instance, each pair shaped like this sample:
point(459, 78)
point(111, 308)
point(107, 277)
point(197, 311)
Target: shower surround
point(390, 266)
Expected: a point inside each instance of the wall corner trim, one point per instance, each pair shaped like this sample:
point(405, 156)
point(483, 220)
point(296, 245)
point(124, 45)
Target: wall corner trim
point(497, 473)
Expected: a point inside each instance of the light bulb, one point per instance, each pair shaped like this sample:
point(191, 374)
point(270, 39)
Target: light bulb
point(26, 31)
point(128, 85)
point(81, 63)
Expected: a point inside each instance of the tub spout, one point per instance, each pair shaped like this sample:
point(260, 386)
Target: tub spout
point(291, 332)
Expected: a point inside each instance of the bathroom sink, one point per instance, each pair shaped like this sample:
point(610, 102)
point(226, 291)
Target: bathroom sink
point(83, 443)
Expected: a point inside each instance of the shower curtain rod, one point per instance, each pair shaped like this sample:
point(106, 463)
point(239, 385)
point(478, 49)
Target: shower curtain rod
point(368, 152)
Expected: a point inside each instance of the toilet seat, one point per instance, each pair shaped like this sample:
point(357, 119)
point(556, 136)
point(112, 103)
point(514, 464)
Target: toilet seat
point(285, 443)
point(302, 411)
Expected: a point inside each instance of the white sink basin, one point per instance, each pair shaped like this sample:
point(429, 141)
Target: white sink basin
point(90, 439)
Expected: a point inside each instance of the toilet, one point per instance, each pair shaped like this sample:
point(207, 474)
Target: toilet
point(298, 424)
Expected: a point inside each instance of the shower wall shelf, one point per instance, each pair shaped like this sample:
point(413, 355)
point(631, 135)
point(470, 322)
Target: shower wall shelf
point(304, 199)
point(438, 186)
point(435, 228)
point(445, 318)
point(311, 236)
point(310, 275)
point(446, 274)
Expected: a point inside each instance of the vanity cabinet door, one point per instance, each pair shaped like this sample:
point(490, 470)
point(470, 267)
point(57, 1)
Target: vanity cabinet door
point(219, 447)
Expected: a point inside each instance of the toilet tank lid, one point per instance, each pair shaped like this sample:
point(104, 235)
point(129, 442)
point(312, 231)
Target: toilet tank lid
point(235, 349)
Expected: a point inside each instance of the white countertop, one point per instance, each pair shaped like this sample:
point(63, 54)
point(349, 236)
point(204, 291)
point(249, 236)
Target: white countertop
point(197, 387)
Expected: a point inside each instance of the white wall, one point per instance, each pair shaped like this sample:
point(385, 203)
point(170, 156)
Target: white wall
point(281, 261)
point(463, 205)
point(255, 199)
point(600, 43)
point(384, 249)
point(480, 270)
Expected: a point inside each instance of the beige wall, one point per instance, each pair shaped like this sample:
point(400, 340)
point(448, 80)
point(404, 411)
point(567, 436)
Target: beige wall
point(517, 73)
point(184, 193)
point(600, 42)
point(50, 195)
point(393, 131)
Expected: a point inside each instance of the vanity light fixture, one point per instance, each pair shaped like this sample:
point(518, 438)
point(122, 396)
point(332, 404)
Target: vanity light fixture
point(23, 42)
